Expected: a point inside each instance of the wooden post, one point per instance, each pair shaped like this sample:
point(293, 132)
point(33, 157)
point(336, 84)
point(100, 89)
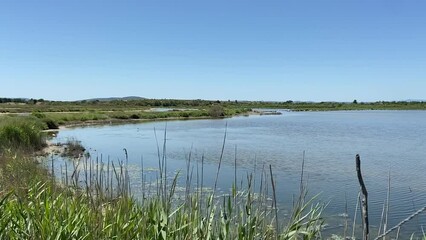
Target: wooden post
point(364, 200)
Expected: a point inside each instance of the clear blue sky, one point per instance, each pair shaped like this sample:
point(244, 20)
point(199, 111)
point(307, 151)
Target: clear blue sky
point(221, 49)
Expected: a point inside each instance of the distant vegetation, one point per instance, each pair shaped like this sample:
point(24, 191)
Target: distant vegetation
point(111, 110)
point(20, 100)
point(130, 104)
point(129, 98)
point(54, 113)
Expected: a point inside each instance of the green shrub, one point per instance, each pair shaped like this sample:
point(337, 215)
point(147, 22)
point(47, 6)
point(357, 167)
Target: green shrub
point(39, 115)
point(134, 116)
point(50, 123)
point(184, 114)
point(216, 111)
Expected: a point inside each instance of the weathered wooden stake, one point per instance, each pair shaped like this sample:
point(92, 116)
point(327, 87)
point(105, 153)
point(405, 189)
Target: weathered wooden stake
point(364, 200)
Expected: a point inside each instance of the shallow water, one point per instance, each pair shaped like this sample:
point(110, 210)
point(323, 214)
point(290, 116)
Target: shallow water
point(392, 141)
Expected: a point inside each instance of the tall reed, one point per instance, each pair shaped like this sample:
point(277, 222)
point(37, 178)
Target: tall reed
point(96, 202)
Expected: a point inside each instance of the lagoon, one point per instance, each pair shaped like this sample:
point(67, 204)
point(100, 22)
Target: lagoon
point(387, 141)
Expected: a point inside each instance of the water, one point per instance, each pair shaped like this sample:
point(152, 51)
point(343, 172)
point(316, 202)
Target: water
point(392, 141)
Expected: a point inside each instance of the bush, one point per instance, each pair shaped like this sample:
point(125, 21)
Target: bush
point(134, 116)
point(184, 114)
point(119, 115)
point(39, 115)
point(50, 123)
point(216, 111)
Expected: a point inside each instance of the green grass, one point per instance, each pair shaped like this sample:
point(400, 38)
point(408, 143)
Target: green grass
point(63, 118)
point(23, 133)
point(33, 206)
point(18, 172)
point(20, 137)
point(44, 212)
point(54, 119)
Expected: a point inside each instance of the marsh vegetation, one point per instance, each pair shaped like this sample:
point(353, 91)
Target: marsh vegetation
point(95, 202)
point(93, 199)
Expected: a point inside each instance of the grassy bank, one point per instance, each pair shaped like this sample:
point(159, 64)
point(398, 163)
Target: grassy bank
point(20, 138)
point(52, 120)
point(21, 134)
point(57, 119)
point(47, 213)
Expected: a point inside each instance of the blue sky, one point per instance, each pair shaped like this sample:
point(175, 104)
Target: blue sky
point(247, 50)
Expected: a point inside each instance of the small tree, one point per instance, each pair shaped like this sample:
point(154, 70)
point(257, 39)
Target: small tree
point(355, 102)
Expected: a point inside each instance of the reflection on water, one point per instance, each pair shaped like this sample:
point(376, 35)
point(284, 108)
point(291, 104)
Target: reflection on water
point(392, 141)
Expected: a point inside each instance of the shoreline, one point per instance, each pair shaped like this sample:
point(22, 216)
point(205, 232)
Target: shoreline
point(254, 112)
point(112, 121)
point(61, 148)
point(123, 121)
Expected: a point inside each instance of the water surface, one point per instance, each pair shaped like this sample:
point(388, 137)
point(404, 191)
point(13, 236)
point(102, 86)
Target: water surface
point(392, 141)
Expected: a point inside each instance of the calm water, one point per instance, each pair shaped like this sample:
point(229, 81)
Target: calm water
point(392, 141)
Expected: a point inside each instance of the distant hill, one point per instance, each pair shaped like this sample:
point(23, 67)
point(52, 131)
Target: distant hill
point(129, 98)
